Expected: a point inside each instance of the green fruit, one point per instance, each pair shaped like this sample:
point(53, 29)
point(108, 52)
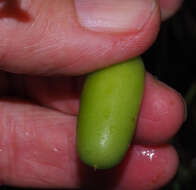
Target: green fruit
point(109, 106)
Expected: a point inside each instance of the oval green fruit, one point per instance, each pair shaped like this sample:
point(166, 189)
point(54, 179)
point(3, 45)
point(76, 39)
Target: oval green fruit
point(109, 106)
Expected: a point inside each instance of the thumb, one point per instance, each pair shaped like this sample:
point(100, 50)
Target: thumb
point(75, 37)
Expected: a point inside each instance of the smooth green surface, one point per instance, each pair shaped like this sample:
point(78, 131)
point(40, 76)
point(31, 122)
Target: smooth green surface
point(109, 107)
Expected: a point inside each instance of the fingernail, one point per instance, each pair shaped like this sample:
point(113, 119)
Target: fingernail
point(114, 15)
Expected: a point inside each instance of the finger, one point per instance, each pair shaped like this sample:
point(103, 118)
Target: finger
point(144, 168)
point(59, 93)
point(80, 36)
point(169, 7)
point(162, 110)
point(162, 113)
point(38, 150)
point(37, 146)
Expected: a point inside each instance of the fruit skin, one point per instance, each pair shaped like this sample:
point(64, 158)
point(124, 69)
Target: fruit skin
point(109, 106)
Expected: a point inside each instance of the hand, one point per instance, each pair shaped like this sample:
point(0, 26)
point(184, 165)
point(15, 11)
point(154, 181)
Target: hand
point(59, 40)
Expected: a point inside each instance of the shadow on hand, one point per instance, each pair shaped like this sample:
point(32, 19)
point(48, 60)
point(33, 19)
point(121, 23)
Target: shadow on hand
point(12, 9)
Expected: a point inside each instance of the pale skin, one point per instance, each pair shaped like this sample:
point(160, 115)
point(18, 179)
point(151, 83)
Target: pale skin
point(37, 137)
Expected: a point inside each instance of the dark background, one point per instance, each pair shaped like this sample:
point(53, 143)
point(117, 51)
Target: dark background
point(172, 60)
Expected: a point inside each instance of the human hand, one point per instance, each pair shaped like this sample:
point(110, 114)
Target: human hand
point(37, 126)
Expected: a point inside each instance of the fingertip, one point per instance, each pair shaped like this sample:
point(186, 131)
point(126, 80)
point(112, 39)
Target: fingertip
point(162, 113)
point(147, 168)
point(169, 8)
point(101, 49)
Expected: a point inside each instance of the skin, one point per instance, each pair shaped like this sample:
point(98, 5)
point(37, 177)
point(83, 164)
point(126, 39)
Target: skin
point(35, 153)
point(109, 106)
point(168, 8)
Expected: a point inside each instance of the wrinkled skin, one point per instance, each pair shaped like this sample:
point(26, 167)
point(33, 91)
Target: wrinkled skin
point(38, 114)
